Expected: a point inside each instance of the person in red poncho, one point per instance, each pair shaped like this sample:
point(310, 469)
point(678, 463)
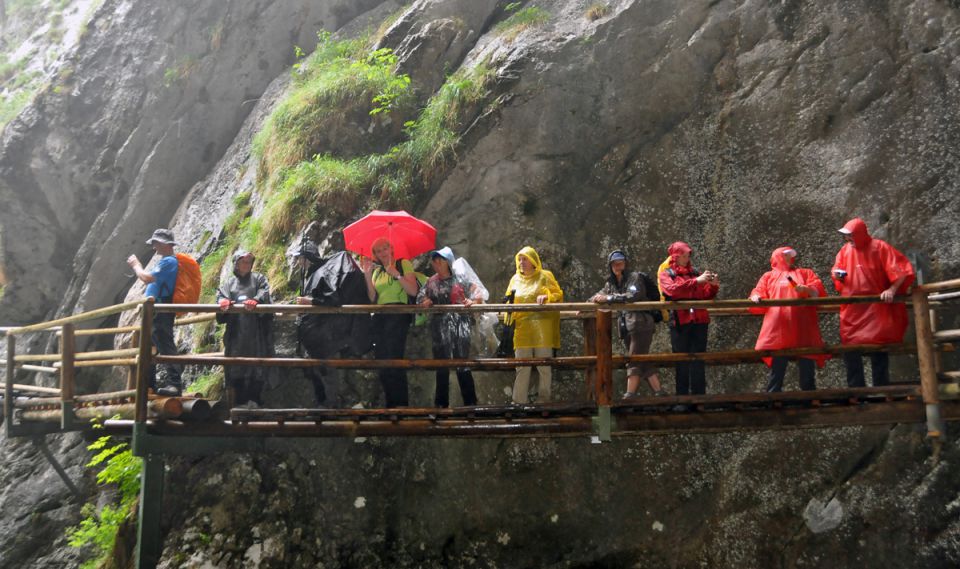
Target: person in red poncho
point(789, 326)
point(868, 266)
point(688, 328)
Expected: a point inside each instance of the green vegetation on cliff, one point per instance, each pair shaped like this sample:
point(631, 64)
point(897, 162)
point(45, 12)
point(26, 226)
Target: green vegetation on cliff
point(305, 173)
point(121, 469)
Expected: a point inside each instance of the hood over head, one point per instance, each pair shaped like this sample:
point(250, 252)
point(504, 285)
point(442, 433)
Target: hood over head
point(445, 253)
point(240, 254)
point(530, 254)
point(782, 258)
point(678, 248)
point(857, 229)
point(308, 250)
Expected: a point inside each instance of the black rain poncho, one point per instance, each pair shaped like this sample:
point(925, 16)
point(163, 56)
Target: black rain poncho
point(336, 282)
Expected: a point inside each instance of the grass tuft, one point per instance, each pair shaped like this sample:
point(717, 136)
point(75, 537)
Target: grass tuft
point(521, 20)
point(597, 11)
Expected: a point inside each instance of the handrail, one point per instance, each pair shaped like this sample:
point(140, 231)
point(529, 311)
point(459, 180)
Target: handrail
point(81, 317)
point(940, 286)
point(825, 301)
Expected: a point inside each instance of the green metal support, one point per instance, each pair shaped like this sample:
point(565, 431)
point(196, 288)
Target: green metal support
point(603, 424)
point(149, 540)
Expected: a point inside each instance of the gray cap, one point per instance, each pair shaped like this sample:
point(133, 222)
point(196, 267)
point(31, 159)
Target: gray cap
point(164, 236)
point(617, 255)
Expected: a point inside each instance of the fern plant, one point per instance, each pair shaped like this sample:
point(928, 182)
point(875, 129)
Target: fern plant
point(119, 468)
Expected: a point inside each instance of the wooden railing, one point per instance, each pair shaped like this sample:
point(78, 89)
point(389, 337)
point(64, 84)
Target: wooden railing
point(598, 360)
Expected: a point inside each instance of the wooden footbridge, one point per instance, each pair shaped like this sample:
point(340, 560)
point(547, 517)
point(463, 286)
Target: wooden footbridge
point(161, 426)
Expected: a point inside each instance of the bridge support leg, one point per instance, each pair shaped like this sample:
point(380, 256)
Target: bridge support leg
point(149, 542)
point(603, 424)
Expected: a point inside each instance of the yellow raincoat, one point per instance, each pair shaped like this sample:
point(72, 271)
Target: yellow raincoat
point(535, 329)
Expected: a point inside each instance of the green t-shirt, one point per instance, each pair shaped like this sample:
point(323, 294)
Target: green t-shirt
point(389, 290)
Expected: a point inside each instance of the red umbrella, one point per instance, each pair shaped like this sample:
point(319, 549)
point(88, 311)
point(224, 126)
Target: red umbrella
point(408, 235)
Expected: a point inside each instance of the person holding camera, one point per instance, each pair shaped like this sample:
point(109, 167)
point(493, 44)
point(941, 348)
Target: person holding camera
point(869, 266)
point(679, 280)
point(636, 326)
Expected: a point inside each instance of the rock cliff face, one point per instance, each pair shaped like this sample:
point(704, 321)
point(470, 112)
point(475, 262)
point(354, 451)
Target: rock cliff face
point(737, 126)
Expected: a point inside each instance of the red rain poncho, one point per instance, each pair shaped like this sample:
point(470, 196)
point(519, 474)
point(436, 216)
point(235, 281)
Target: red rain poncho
point(788, 326)
point(872, 265)
point(683, 285)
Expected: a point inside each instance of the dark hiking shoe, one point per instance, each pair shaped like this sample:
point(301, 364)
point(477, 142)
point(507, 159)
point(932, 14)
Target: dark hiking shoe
point(629, 395)
point(661, 393)
point(169, 391)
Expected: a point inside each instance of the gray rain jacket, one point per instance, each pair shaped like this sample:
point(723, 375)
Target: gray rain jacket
point(249, 335)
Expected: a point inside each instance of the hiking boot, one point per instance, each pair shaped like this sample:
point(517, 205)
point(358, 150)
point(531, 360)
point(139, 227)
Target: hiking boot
point(661, 393)
point(629, 395)
point(169, 391)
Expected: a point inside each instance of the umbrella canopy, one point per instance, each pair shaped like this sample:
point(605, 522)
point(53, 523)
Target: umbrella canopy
point(408, 235)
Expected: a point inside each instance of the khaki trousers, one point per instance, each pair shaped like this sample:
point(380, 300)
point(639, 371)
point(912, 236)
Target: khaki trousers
point(521, 385)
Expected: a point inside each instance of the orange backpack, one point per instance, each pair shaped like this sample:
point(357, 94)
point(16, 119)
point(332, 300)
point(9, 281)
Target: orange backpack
point(187, 289)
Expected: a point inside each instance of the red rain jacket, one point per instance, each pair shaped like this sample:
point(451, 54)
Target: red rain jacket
point(680, 283)
point(788, 326)
point(872, 265)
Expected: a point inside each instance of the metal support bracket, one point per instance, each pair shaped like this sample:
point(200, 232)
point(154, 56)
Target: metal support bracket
point(146, 444)
point(603, 424)
point(68, 419)
point(149, 537)
point(41, 443)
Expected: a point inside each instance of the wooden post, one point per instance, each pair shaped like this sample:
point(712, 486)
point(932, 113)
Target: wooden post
point(590, 349)
point(925, 357)
point(132, 370)
point(144, 360)
point(68, 350)
point(604, 358)
point(8, 388)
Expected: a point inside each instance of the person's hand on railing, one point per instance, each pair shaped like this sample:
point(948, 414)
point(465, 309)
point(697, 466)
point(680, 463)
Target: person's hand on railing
point(599, 298)
point(543, 298)
point(249, 304)
point(305, 300)
point(755, 298)
point(426, 303)
point(224, 304)
point(888, 295)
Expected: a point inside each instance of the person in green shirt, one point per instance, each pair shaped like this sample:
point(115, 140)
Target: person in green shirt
point(390, 281)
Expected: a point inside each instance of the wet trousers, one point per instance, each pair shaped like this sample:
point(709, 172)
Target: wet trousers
point(246, 389)
point(778, 369)
point(879, 362)
point(691, 376)
point(390, 342)
point(521, 385)
point(163, 339)
point(458, 348)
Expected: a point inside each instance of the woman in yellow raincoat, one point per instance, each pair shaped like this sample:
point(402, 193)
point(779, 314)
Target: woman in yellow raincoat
point(536, 334)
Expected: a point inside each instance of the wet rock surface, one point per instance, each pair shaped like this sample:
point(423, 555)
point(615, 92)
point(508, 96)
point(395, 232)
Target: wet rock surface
point(735, 126)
